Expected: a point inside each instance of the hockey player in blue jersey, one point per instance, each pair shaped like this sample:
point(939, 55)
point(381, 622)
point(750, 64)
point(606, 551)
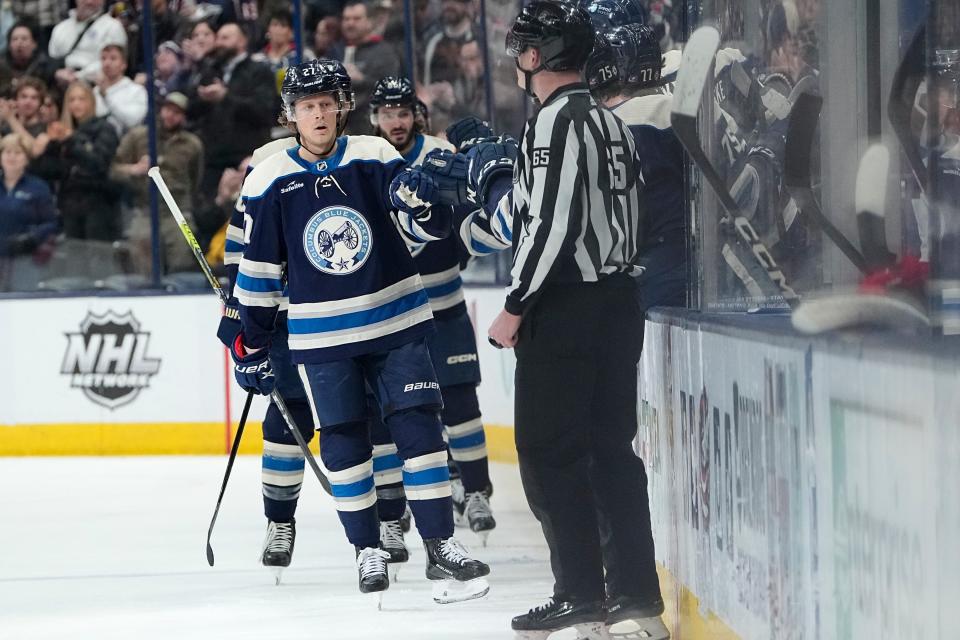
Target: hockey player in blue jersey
point(453, 348)
point(624, 73)
point(330, 222)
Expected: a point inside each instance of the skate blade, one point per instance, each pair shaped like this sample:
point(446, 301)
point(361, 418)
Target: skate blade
point(483, 535)
point(639, 629)
point(591, 631)
point(450, 591)
point(277, 573)
point(394, 571)
point(532, 635)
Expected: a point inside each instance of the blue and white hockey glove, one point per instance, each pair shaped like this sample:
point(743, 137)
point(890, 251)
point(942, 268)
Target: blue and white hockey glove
point(449, 172)
point(253, 371)
point(490, 160)
point(466, 132)
point(229, 326)
point(413, 191)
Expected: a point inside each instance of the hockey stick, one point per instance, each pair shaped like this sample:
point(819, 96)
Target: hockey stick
point(698, 58)
point(154, 173)
point(804, 117)
point(226, 475)
point(903, 94)
point(871, 204)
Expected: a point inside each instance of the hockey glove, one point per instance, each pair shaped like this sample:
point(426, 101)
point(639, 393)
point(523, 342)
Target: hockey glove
point(253, 371)
point(449, 172)
point(413, 191)
point(229, 326)
point(489, 160)
point(464, 133)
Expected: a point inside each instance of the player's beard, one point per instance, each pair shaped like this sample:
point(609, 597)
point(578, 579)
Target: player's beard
point(404, 142)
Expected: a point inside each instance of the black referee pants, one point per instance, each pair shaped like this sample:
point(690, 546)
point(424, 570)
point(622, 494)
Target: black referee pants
point(575, 412)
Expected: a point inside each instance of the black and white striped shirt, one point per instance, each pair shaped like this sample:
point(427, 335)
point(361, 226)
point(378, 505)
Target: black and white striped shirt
point(576, 197)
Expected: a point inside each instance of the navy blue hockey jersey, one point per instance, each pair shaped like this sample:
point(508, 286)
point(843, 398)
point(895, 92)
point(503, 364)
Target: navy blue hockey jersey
point(661, 160)
point(327, 231)
point(438, 262)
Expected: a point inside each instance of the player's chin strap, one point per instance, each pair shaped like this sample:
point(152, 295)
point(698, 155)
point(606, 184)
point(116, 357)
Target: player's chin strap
point(528, 77)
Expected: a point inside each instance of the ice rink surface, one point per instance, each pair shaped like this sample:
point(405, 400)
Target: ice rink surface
point(114, 548)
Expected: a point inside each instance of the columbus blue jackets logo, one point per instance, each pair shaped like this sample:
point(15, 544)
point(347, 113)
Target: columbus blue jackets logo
point(108, 360)
point(337, 240)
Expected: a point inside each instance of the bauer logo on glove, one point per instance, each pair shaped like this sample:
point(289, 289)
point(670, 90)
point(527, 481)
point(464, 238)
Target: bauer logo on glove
point(253, 371)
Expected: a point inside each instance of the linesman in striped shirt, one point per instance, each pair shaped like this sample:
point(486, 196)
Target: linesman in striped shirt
point(572, 315)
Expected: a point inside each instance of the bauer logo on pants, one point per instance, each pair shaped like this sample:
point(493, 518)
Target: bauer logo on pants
point(337, 240)
point(108, 359)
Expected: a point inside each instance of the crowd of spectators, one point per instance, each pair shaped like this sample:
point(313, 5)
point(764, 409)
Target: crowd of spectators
point(73, 94)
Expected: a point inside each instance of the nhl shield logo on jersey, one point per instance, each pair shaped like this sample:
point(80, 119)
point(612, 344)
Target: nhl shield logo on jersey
point(108, 359)
point(337, 240)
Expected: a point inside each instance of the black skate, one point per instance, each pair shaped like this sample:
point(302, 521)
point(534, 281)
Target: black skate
point(278, 546)
point(634, 619)
point(537, 624)
point(479, 515)
point(458, 576)
point(372, 568)
point(391, 541)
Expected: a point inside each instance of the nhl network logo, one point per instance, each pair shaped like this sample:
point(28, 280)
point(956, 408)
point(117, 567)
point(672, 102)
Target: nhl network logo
point(108, 359)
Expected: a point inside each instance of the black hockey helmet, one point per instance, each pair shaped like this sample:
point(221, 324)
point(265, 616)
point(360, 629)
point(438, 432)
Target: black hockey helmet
point(602, 70)
point(559, 29)
point(615, 13)
point(314, 77)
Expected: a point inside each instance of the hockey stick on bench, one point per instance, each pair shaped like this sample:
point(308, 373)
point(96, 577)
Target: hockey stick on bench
point(804, 117)
point(698, 60)
point(154, 174)
point(871, 205)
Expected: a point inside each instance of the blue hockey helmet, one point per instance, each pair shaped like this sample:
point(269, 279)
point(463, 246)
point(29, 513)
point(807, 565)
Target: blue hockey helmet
point(602, 70)
point(316, 77)
point(633, 50)
point(638, 54)
point(392, 91)
point(615, 13)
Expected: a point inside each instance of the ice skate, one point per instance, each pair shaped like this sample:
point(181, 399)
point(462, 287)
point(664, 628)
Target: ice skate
point(479, 515)
point(458, 577)
point(405, 519)
point(556, 615)
point(632, 619)
point(278, 547)
point(459, 502)
point(391, 540)
point(372, 569)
